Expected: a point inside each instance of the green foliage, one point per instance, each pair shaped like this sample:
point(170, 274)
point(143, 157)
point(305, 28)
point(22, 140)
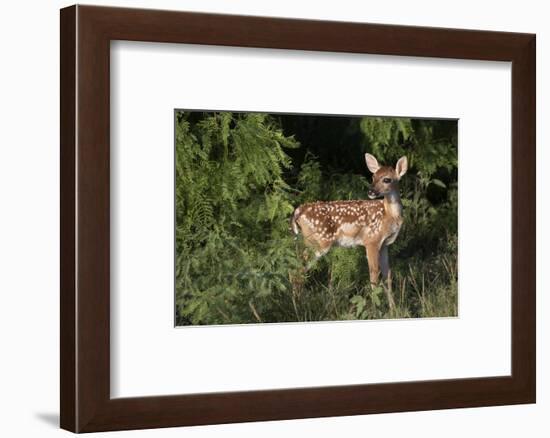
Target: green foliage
point(431, 144)
point(239, 178)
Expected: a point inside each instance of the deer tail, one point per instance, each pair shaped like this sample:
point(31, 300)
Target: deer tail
point(293, 220)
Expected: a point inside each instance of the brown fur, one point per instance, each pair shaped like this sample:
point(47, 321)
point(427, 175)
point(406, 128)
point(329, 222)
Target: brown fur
point(373, 224)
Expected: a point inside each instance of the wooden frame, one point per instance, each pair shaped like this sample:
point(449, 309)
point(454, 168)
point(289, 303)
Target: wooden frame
point(86, 33)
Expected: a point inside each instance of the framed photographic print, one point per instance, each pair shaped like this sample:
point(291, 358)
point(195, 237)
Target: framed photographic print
point(267, 218)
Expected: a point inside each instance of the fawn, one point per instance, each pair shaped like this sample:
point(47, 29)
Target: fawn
point(373, 223)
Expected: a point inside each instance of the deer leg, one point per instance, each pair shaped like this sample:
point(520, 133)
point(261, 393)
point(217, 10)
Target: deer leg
point(309, 261)
point(374, 263)
point(318, 249)
point(322, 249)
point(386, 275)
point(384, 262)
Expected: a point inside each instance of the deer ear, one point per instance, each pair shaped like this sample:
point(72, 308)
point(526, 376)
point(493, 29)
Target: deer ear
point(372, 163)
point(401, 167)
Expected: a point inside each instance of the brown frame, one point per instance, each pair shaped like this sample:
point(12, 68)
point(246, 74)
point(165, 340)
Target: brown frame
point(86, 32)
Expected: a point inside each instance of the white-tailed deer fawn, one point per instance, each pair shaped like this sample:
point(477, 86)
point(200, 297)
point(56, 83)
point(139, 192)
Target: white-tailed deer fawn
point(373, 223)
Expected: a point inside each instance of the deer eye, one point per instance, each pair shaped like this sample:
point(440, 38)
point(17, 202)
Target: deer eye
point(387, 180)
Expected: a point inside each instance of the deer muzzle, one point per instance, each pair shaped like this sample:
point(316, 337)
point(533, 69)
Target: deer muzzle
point(373, 194)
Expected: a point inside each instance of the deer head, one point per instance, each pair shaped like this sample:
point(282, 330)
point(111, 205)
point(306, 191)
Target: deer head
point(385, 179)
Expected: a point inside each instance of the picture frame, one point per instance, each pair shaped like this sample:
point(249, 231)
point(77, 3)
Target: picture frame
point(86, 34)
